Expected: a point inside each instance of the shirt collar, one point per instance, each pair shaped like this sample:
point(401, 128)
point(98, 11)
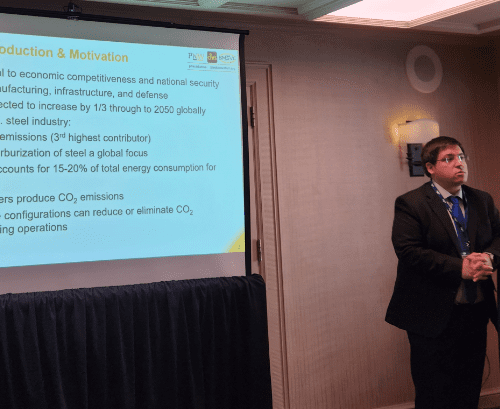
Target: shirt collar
point(447, 194)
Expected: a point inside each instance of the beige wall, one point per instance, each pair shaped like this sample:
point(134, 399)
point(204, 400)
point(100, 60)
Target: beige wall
point(337, 91)
point(338, 176)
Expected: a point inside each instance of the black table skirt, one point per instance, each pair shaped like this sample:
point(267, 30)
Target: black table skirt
point(199, 344)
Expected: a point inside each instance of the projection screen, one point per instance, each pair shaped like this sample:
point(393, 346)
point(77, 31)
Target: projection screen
point(122, 150)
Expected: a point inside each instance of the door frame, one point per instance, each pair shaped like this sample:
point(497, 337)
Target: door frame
point(259, 79)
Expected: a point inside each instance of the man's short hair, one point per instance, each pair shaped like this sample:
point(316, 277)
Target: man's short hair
point(431, 149)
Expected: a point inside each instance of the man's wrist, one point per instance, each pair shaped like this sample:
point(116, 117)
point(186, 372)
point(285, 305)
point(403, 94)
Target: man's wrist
point(493, 259)
point(466, 270)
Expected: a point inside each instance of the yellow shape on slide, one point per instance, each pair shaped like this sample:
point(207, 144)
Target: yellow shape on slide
point(237, 245)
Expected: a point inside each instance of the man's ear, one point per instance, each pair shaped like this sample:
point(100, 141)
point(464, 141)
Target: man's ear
point(430, 167)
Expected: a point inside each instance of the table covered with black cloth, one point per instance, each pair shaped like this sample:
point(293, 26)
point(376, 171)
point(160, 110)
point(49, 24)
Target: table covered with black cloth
point(193, 344)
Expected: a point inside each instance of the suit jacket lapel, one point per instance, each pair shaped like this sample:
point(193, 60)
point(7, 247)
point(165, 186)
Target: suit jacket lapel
point(442, 214)
point(472, 207)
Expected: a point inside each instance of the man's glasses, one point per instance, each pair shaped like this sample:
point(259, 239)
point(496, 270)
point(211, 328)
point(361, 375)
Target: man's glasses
point(461, 158)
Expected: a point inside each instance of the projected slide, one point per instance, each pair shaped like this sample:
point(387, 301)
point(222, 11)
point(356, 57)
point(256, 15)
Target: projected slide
point(112, 150)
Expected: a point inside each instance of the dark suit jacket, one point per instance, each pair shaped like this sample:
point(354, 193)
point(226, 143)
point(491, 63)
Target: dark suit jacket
point(430, 266)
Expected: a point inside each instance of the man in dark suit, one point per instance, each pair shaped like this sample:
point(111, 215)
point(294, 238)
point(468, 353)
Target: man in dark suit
point(447, 239)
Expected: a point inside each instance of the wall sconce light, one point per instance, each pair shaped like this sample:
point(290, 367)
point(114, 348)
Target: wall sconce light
point(415, 134)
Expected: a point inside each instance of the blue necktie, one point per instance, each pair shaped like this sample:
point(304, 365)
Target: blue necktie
point(470, 286)
point(456, 211)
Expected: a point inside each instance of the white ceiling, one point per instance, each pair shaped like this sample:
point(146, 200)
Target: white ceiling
point(475, 17)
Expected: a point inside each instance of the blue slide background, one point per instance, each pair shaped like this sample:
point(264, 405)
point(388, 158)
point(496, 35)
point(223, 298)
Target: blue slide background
point(215, 197)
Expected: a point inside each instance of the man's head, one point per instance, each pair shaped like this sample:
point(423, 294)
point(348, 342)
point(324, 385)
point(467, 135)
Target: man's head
point(443, 159)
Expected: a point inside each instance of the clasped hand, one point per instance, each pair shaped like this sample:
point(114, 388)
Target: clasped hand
point(477, 266)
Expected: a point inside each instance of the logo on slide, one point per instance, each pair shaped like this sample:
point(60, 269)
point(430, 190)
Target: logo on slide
point(212, 57)
point(227, 58)
point(195, 57)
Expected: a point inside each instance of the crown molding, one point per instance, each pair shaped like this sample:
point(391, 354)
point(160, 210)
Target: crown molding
point(229, 7)
point(451, 12)
point(448, 27)
point(318, 11)
point(364, 21)
point(289, 12)
point(427, 22)
point(211, 4)
point(489, 26)
point(437, 26)
point(289, 21)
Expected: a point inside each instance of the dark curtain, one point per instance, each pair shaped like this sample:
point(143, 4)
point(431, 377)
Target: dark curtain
point(199, 344)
